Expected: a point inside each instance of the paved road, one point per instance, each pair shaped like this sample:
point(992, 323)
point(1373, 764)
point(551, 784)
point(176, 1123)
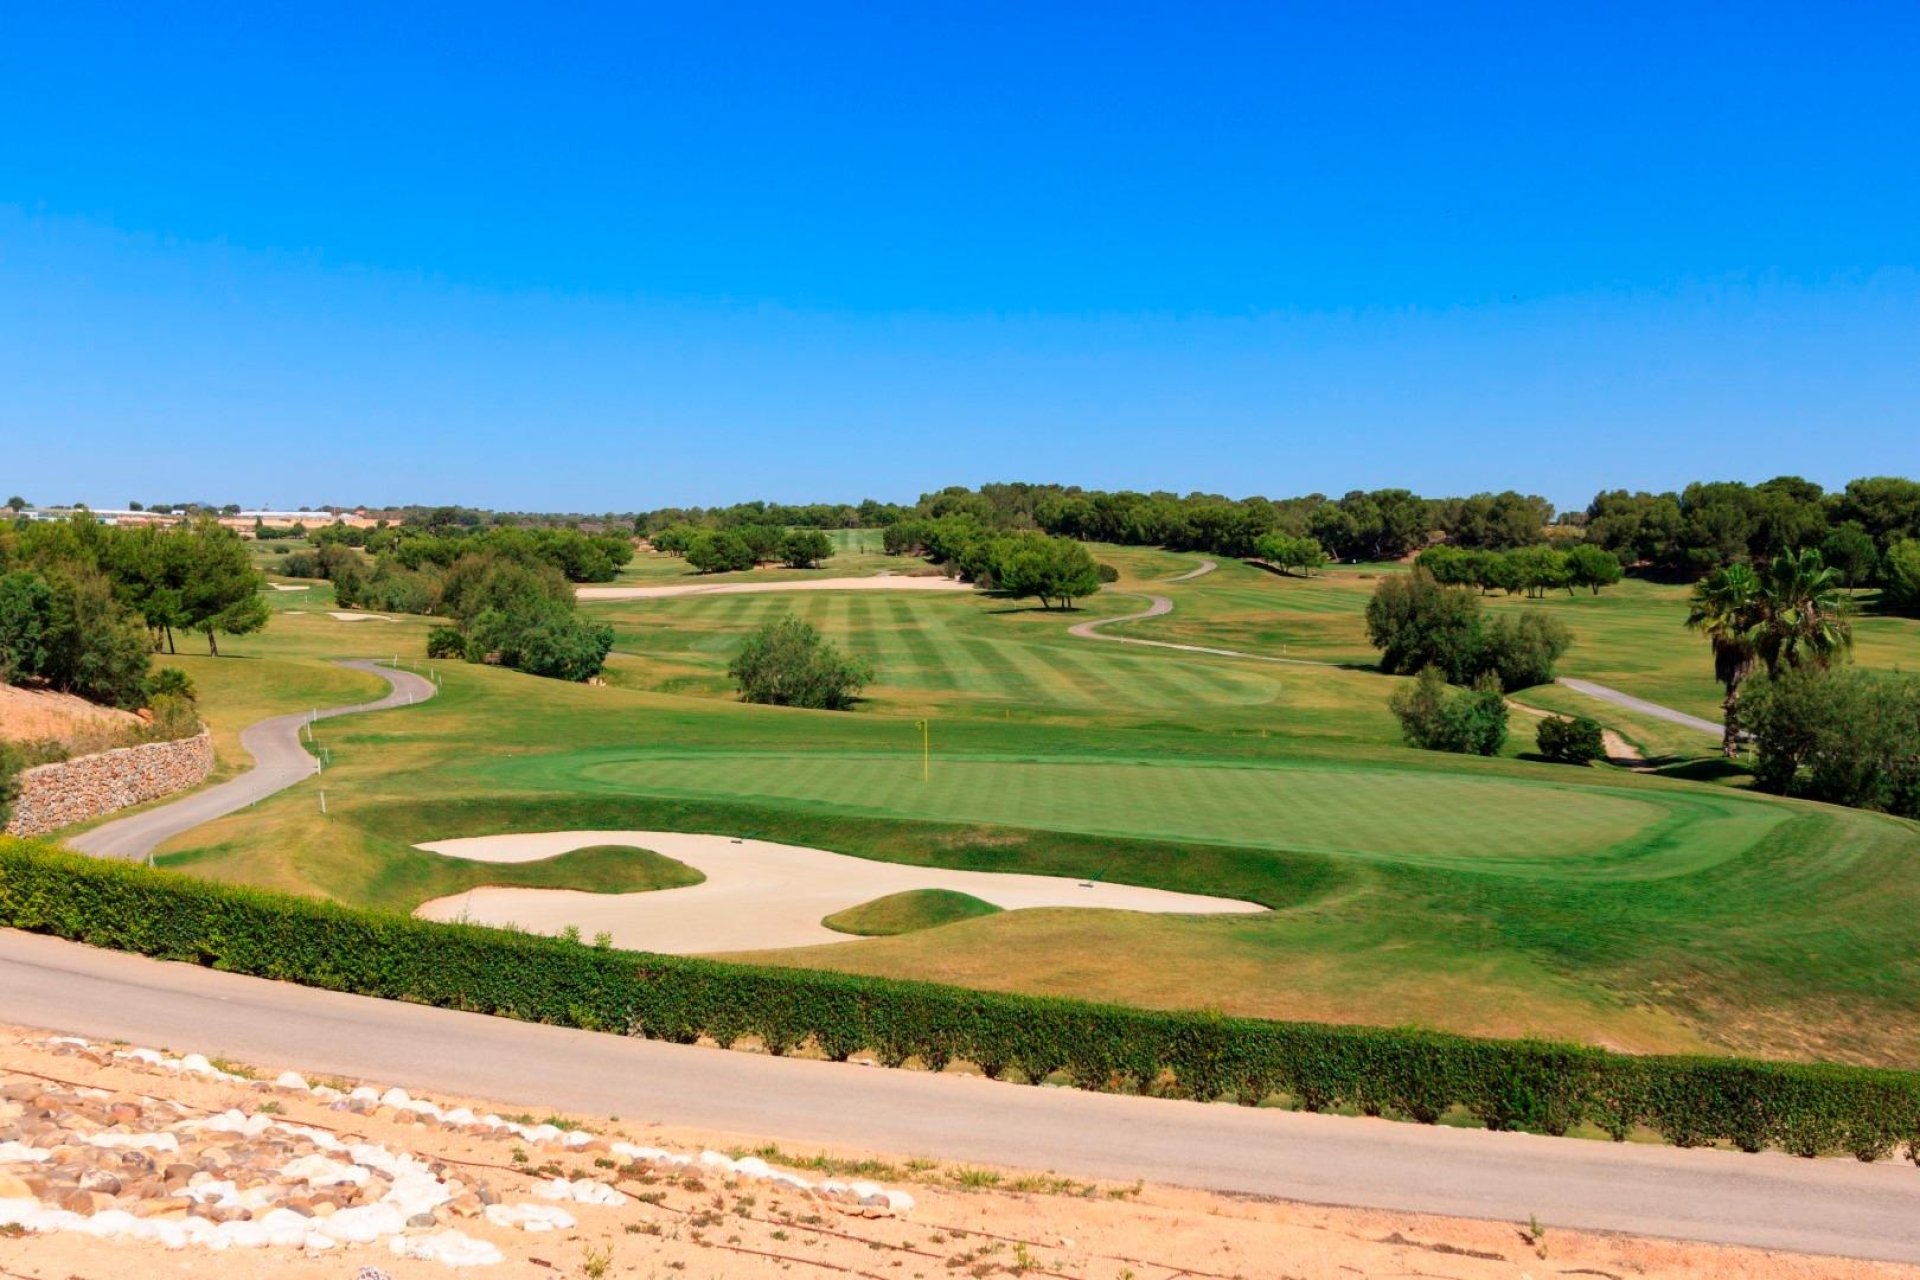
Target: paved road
point(1206, 567)
point(279, 762)
point(1770, 1200)
point(1640, 705)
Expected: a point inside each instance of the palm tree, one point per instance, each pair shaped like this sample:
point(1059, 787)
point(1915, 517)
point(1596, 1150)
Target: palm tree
point(1726, 609)
point(1802, 612)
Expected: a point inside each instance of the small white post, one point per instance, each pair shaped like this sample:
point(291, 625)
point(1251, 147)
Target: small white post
point(323, 800)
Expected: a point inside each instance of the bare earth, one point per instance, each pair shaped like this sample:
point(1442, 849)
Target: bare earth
point(41, 713)
point(727, 1218)
point(879, 582)
point(757, 894)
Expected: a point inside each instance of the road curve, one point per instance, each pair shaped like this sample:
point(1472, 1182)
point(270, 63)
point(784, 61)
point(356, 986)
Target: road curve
point(1206, 567)
point(1768, 1200)
point(1641, 705)
point(1160, 606)
point(279, 761)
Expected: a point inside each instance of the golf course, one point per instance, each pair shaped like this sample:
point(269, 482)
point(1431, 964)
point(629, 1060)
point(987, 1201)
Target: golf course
point(1663, 906)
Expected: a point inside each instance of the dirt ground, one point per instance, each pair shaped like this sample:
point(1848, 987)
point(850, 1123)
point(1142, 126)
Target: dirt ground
point(31, 714)
point(702, 1221)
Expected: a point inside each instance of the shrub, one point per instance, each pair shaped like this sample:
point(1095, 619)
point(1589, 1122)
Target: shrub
point(1106, 572)
point(1575, 741)
point(446, 642)
point(1521, 651)
point(171, 682)
point(1437, 718)
point(1845, 736)
point(1417, 623)
point(787, 663)
point(1531, 1085)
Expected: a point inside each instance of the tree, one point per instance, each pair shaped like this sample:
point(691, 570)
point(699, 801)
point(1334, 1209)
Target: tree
point(1520, 652)
point(1290, 554)
point(1589, 566)
point(1540, 569)
point(221, 592)
point(1802, 612)
point(16, 504)
point(786, 663)
point(1578, 740)
point(1417, 623)
point(1040, 565)
point(1436, 718)
point(1850, 550)
point(26, 624)
point(1725, 607)
point(805, 548)
point(1901, 574)
point(718, 551)
point(1843, 736)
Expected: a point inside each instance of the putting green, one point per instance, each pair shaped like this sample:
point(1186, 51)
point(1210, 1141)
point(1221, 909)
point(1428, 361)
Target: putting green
point(1489, 824)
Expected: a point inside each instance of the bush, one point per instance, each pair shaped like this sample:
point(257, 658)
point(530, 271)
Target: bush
point(1575, 741)
point(1844, 736)
point(446, 642)
point(1417, 623)
point(786, 663)
point(1521, 651)
point(1106, 572)
point(171, 682)
point(1418, 1075)
point(1437, 718)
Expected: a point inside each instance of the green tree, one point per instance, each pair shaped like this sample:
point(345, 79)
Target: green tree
point(786, 663)
point(1521, 651)
point(1803, 612)
point(718, 551)
point(1589, 566)
point(1040, 565)
point(16, 504)
point(1725, 608)
point(1417, 623)
point(805, 548)
point(1293, 555)
point(1901, 575)
point(1843, 736)
point(1435, 717)
point(221, 595)
point(1850, 550)
point(26, 625)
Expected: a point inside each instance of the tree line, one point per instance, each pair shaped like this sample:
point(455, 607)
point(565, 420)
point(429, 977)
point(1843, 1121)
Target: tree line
point(1027, 563)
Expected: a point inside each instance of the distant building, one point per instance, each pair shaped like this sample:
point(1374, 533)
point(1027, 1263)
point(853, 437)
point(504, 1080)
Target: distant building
point(241, 522)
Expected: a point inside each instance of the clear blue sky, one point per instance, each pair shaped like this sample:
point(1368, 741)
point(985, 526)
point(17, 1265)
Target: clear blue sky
point(635, 255)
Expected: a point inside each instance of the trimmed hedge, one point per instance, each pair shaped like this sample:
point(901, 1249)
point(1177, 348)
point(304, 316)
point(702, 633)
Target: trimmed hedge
point(1416, 1075)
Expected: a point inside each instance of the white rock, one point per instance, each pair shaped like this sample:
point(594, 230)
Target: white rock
point(714, 1160)
point(753, 1167)
point(291, 1080)
point(324, 1171)
point(449, 1248)
point(529, 1217)
point(135, 1141)
point(21, 1153)
point(394, 1098)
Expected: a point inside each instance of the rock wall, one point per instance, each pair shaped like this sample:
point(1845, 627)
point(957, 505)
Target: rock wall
point(56, 795)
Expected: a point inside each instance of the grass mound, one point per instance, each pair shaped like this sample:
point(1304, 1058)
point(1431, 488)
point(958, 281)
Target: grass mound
point(908, 912)
point(600, 868)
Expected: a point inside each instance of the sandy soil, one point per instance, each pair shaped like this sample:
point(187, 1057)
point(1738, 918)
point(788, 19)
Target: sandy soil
point(879, 582)
point(359, 617)
point(964, 1222)
point(41, 713)
point(757, 894)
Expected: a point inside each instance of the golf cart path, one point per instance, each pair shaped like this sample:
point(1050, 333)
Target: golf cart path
point(1839, 1207)
point(878, 582)
point(1158, 607)
point(1206, 567)
point(1641, 705)
point(279, 761)
point(757, 895)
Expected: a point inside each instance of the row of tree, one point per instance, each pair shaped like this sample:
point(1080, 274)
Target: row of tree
point(1531, 570)
point(1024, 564)
point(744, 546)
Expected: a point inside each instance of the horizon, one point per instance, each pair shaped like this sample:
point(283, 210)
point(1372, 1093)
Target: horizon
point(618, 260)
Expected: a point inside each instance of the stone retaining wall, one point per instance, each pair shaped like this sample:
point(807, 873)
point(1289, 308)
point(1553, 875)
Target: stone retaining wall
point(57, 795)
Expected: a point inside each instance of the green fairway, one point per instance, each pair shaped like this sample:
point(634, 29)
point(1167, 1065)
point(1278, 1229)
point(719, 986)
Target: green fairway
point(909, 912)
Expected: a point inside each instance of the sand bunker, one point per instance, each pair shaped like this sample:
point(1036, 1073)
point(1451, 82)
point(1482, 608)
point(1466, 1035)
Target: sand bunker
point(880, 582)
point(757, 894)
point(360, 617)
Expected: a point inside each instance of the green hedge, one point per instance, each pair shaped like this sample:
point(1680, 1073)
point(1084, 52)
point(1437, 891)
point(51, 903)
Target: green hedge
point(1416, 1075)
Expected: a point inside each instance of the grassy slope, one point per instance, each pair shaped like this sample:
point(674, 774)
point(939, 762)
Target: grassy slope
point(1493, 896)
point(909, 912)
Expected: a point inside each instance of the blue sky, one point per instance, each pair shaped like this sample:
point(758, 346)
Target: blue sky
point(626, 256)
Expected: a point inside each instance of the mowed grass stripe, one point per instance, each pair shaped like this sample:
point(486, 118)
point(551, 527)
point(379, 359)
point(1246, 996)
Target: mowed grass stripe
point(1049, 684)
point(881, 624)
point(1011, 676)
point(930, 671)
point(965, 672)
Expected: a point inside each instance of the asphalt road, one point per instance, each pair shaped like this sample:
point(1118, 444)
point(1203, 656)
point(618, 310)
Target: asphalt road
point(279, 762)
point(1770, 1200)
point(1640, 705)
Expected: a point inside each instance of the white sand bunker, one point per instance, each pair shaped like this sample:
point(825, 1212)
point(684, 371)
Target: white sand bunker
point(879, 582)
point(757, 894)
point(360, 617)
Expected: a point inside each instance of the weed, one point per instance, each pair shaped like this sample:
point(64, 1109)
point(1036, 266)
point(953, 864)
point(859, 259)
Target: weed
point(596, 1260)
